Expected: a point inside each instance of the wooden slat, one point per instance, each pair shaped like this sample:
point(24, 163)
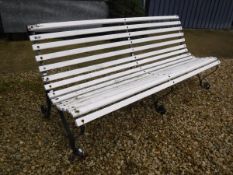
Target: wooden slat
point(110, 77)
point(116, 82)
point(75, 72)
point(151, 46)
point(92, 82)
point(147, 25)
point(151, 59)
point(60, 92)
point(97, 114)
point(78, 41)
point(118, 94)
point(68, 24)
point(101, 72)
point(102, 46)
point(100, 86)
point(151, 18)
point(86, 98)
point(156, 66)
point(79, 32)
point(54, 35)
point(89, 68)
point(101, 56)
point(153, 53)
point(155, 31)
point(88, 76)
point(83, 60)
point(81, 50)
point(59, 25)
point(54, 44)
point(155, 38)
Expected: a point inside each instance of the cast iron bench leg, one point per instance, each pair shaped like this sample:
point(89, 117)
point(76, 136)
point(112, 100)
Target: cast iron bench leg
point(202, 80)
point(159, 107)
point(76, 151)
point(203, 83)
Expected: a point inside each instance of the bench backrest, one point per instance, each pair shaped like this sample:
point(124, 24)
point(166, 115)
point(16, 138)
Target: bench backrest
point(91, 54)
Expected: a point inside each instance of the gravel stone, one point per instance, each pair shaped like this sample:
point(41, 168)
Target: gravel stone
point(194, 137)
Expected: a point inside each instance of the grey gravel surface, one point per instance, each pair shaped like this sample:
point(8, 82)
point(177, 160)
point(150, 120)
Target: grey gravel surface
point(194, 137)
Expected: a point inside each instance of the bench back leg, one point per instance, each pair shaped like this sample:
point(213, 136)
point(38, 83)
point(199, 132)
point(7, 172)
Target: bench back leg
point(46, 109)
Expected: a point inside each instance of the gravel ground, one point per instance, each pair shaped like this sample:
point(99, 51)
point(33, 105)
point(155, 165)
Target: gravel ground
point(194, 137)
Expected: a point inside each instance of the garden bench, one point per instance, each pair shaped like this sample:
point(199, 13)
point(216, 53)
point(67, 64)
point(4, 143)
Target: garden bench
point(91, 68)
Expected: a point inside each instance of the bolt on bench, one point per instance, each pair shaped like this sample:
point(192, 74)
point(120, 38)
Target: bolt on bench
point(93, 67)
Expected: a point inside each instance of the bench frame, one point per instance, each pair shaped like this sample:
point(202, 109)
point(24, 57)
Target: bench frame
point(77, 151)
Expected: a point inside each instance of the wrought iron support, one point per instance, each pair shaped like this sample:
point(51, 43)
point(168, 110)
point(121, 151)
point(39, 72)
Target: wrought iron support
point(202, 80)
point(159, 107)
point(76, 151)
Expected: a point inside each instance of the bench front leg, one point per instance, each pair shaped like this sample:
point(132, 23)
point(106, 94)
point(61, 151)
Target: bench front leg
point(76, 151)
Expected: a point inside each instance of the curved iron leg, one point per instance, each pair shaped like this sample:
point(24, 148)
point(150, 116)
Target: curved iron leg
point(76, 151)
point(203, 83)
point(160, 108)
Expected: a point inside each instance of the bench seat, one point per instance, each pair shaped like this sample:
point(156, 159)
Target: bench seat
point(82, 104)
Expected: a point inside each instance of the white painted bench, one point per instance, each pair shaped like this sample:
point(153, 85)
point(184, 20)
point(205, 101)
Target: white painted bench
point(94, 67)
